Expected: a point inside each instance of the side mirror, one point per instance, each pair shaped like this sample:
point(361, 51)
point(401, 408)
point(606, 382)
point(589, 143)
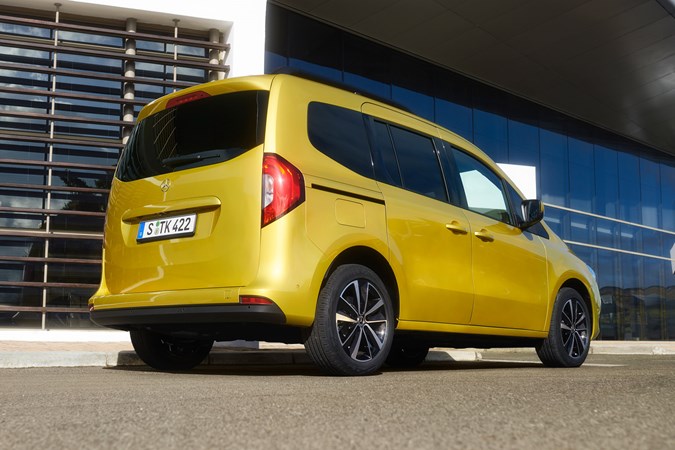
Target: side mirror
point(533, 212)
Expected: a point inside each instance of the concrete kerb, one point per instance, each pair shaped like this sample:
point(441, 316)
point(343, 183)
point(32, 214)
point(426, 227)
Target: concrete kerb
point(65, 348)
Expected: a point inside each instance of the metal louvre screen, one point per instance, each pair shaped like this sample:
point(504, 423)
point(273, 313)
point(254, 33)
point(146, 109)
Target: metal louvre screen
point(69, 94)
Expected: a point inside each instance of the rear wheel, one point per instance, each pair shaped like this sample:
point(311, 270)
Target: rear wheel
point(166, 353)
point(407, 354)
point(354, 324)
point(568, 339)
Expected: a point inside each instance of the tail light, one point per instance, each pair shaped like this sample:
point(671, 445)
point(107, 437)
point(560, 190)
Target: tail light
point(283, 188)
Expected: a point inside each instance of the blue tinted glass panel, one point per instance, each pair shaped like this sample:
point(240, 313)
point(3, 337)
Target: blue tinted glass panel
point(366, 66)
point(12, 28)
point(320, 55)
point(523, 143)
point(606, 182)
point(631, 238)
point(581, 228)
point(607, 233)
point(490, 134)
point(454, 117)
point(650, 193)
point(629, 188)
point(276, 39)
point(582, 175)
point(453, 105)
point(554, 168)
point(412, 86)
point(554, 219)
point(652, 243)
point(668, 196)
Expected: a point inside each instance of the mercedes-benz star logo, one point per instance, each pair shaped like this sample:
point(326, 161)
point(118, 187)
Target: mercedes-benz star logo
point(166, 184)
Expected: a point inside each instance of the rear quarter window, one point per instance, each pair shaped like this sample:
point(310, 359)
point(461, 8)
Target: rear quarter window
point(340, 134)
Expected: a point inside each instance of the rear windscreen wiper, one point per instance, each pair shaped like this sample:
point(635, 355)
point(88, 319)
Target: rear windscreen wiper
point(192, 158)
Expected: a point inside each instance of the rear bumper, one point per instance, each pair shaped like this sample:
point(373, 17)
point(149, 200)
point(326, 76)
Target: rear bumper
point(188, 316)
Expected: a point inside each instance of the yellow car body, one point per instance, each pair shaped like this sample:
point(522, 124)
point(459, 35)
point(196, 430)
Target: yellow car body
point(451, 272)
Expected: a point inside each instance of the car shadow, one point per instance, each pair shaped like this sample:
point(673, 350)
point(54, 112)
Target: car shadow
point(303, 367)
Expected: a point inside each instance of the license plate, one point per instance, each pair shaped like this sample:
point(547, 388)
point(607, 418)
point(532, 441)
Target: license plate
point(166, 228)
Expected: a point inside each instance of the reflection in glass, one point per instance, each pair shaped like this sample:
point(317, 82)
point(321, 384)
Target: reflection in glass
point(20, 319)
point(490, 134)
point(71, 320)
point(366, 66)
point(75, 248)
point(667, 175)
point(18, 296)
point(319, 55)
point(554, 168)
point(523, 143)
point(629, 187)
point(582, 174)
point(650, 190)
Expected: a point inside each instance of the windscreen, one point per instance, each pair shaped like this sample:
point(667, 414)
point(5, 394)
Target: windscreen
point(201, 132)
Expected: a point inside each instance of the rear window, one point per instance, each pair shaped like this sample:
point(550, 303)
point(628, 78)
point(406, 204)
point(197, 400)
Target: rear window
point(202, 132)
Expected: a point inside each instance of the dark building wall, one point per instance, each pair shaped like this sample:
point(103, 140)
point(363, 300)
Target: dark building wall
point(611, 199)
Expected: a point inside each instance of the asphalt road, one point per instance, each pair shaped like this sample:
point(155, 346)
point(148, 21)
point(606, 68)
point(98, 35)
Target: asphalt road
point(612, 402)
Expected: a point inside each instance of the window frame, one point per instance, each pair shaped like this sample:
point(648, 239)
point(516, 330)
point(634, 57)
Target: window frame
point(376, 152)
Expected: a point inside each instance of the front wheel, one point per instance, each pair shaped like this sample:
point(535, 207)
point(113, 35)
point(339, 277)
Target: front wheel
point(354, 323)
point(166, 353)
point(568, 339)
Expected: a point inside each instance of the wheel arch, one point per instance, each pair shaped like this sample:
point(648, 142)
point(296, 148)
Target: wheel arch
point(374, 260)
point(581, 288)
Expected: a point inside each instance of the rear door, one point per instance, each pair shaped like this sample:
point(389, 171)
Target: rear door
point(428, 237)
point(184, 211)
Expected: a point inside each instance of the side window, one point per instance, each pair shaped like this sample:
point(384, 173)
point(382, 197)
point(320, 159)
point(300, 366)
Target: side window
point(516, 207)
point(340, 134)
point(386, 165)
point(417, 160)
point(482, 188)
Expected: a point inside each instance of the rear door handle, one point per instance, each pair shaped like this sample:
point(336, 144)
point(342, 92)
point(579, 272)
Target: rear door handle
point(456, 227)
point(484, 235)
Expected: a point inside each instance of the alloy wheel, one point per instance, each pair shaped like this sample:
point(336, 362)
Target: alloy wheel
point(361, 320)
point(574, 328)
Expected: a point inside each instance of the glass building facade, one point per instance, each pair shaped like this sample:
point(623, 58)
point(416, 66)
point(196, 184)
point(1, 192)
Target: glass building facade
point(611, 199)
point(70, 90)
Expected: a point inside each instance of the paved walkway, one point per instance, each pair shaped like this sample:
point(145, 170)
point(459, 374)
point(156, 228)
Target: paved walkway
point(66, 348)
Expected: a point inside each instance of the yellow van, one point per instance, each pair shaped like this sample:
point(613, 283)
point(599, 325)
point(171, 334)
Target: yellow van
point(276, 208)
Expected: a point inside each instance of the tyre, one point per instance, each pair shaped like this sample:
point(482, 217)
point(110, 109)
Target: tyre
point(568, 339)
point(166, 353)
point(354, 323)
point(407, 354)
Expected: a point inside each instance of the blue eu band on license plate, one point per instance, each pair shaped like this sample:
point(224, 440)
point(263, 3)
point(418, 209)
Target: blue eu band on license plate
point(166, 228)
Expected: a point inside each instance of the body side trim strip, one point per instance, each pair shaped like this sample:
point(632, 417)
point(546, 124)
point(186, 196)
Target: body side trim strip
point(347, 193)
